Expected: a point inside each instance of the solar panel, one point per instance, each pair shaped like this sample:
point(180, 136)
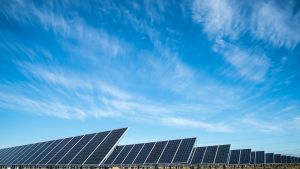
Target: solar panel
point(19, 150)
point(184, 151)
point(22, 155)
point(76, 149)
point(156, 152)
point(133, 154)
point(32, 155)
point(25, 147)
point(38, 152)
point(169, 152)
point(222, 154)
point(269, 158)
point(283, 159)
point(45, 152)
point(140, 159)
point(298, 159)
point(113, 155)
point(245, 156)
point(89, 148)
point(277, 158)
point(252, 157)
point(210, 155)
point(198, 155)
point(288, 159)
point(260, 157)
point(34, 148)
point(9, 154)
point(234, 156)
point(12, 153)
point(105, 148)
point(191, 157)
point(55, 159)
point(123, 154)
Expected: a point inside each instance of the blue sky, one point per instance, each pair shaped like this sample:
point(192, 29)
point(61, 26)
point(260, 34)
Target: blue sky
point(224, 71)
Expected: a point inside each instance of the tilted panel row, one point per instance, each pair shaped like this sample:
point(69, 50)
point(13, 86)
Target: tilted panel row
point(269, 158)
point(234, 157)
point(245, 156)
point(222, 154)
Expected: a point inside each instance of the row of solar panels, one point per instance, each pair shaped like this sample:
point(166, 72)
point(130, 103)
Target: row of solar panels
point(101, 149)
point(89, 149)
point(162, 152)
point(222, 154)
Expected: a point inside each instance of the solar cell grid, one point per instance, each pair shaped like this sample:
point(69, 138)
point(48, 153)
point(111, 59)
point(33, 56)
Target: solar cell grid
point(156, 152)
point(12, 152)
point(184, 151)
point(5, 151)
point(76, 149)
point(133, 154)
point(89, 148)
point(140, 159)
point(49, 153)
point(64, 150)
point(222, 154)
point(245, 156)
point(45, 152)
point(169, 152)
point(198, 155)
point(269, 158)
point(36, 147)
point(15, 150)
point(123, 154)
point(210, 155)
point(37, 153)
point(277, 158)
point(30, 157)
point(260, 157)
point(21, 156)
point(288, 159)
point(192, 155)
point(252, 158)
point(22, 149)
point(104, 149)
point(113, 155)
point(283, 158)
point(234, 156)
point(53, 152)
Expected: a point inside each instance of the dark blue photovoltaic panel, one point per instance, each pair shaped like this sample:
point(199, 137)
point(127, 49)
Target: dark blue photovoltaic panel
point(121, 157)
point(234, 156)
point(198, 155)
point(191, 157)
point(76, 149)
point(105, 147)
point(169, 152)
point(64, 150)
point(210, 154)
point(283, 159)
point(45, 152)
point(11, 155)
point(269, 158)
point(298, 159)
point(288, 159)
point(245, 156)
point(113, 155)
point(3, 153)
point(156, 152)
point(55, 150)
point(20, 154)
point(184, 151)
point(38, 152)
point(133, 153)
point(27, 154)
point(89, 148)
point(11, 152)
point(252, 158)
point(140, 159)
point(277, 158)
point(260, 157)
point(222, 154)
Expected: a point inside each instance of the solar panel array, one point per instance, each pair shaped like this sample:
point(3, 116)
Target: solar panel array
point(210, 155)
point(100, 149)
point(162, 152)
point(80, 150)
